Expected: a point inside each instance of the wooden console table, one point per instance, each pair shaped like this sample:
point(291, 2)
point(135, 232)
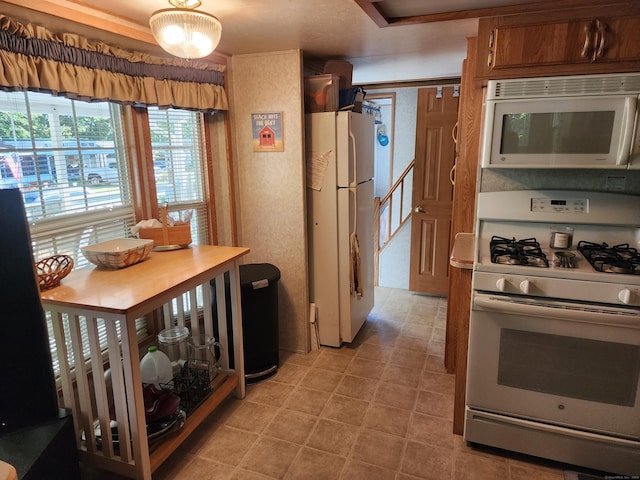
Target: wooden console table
point(117, 298)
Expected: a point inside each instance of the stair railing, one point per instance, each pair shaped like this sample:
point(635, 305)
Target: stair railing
point(391, 213)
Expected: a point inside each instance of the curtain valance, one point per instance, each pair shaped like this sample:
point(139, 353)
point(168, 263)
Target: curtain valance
point(32, 58)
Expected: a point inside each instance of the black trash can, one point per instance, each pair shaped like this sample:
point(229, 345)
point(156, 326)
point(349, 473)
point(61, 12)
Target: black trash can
point(259, 300)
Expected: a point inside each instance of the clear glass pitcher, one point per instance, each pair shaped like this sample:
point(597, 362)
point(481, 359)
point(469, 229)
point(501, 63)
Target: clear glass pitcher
point(204, 356)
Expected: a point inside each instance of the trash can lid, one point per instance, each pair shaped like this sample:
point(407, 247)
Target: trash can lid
point(258, 272)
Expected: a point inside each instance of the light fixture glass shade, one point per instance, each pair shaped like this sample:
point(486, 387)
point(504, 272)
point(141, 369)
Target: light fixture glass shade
point(186, 33)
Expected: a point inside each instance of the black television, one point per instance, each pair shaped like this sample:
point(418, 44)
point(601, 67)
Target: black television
point(27, 381)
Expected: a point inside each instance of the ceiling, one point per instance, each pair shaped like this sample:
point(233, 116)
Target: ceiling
point(324, 28)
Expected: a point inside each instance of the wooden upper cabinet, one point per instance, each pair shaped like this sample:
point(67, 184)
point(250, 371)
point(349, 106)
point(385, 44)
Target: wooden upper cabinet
point(589, 40)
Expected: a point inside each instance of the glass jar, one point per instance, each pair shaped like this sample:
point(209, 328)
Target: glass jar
point(561, 238)
point(204, 357)
point(173, 342)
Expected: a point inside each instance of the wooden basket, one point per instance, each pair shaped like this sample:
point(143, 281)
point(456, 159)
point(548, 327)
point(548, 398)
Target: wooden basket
point(167, 235)
point(52, 270)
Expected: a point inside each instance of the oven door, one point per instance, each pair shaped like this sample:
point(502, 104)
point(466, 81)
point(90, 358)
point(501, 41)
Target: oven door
point(556, 362)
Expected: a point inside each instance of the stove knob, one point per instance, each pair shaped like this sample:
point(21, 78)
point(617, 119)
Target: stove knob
point(624, 296)
point(501, 284)
point(524, 286)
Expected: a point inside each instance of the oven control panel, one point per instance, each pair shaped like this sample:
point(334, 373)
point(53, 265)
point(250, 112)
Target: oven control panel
point(559, 288)
point(558, 205)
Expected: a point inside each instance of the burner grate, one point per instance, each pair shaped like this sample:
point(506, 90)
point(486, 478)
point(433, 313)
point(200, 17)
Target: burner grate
point(509, 251)
point(616, 259)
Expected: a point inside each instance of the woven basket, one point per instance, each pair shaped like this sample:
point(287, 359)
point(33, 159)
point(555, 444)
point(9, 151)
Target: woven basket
point(52, 270)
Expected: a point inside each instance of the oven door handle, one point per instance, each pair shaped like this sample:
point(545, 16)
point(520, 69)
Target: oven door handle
point(573, 312)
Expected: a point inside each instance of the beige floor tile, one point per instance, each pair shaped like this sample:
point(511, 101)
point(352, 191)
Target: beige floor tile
point(438, 382)
point(242, 474)
point(201, 468)
point(412, 343)
point(307, 401)
point(432, 430)
point(474, 467)
point(366, 368)
point(331, 361)
point(436, 404)
point(379, 449)
point(270, 393)
point(228, 445)
point(423, 332)
point(252, 416)
point(312, 464)
point(407, 358)
point(333, 437)
point(169, 470)
point(526, 472)
point(292, 426)
point(395, 395)
point(429, 462)
point(435, 363)
point(363, 471)
point(290, 373)
point(357, 387)
point(408, 377)
point(345, 409)
point(384, 418)
point(319, 379)
point(270, 456)
point(374, 351)
point(299, 358)
point(435, 347)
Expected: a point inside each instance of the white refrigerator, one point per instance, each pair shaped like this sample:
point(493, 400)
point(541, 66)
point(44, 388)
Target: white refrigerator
point(340, 163)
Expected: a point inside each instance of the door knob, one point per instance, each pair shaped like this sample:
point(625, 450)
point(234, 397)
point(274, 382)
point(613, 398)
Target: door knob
point(419, 209)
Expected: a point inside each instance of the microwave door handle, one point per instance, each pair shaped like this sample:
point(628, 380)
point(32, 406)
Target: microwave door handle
point(628, 121)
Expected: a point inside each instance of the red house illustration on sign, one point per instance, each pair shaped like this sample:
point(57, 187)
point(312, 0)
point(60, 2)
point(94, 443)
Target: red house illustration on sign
point(267, 137)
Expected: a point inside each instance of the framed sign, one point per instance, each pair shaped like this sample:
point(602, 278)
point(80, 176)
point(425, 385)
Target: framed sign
point(267, 132)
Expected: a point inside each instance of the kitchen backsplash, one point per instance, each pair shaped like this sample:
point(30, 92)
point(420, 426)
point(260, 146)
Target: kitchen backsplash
point(616, 181)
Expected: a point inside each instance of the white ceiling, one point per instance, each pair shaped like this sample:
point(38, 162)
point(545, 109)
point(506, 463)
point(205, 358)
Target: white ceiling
point(325, 29)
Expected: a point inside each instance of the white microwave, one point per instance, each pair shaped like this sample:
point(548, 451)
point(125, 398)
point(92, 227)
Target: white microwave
point(587, 121)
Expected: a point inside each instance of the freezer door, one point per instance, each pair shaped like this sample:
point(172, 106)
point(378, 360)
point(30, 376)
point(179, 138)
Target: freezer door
point(355, 141)
point(355, 308)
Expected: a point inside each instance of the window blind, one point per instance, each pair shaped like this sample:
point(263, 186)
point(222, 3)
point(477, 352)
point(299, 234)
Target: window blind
point(67, 158)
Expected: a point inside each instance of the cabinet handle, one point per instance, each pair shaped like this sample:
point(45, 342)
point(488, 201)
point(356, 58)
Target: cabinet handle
point(492, 37)
point(588, 36)
point(452, 174)
point(490, 59)
point(602, 40)
point(454, 133)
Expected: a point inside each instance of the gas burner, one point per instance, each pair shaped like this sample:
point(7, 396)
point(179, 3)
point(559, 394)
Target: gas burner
point(621, 258)
point(509, 251)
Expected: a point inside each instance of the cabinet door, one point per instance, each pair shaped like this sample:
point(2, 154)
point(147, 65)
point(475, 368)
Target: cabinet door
point(591, 41)
point(622, 39)
point(535, 45)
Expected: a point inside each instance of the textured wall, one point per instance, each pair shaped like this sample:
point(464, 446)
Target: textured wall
point(271, 185)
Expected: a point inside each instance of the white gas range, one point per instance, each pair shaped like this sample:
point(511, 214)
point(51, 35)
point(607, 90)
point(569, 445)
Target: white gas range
point(554, 340)
point(595, 219)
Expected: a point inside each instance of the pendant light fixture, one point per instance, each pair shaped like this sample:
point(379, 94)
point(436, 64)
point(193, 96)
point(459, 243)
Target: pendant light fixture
point(184, 32)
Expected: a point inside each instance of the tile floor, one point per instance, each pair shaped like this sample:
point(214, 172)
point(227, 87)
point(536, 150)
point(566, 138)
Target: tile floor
point(380, 408)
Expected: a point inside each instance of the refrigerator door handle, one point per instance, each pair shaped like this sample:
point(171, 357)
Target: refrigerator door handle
point(352, 138)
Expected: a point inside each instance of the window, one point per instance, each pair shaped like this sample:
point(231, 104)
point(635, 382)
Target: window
point(67, 158)
point(51, 148)
point(178, 166)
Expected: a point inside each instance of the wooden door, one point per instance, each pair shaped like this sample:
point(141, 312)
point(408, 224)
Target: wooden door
point(432, 191)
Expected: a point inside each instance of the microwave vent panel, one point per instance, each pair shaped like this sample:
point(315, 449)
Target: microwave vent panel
point(569, 86)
